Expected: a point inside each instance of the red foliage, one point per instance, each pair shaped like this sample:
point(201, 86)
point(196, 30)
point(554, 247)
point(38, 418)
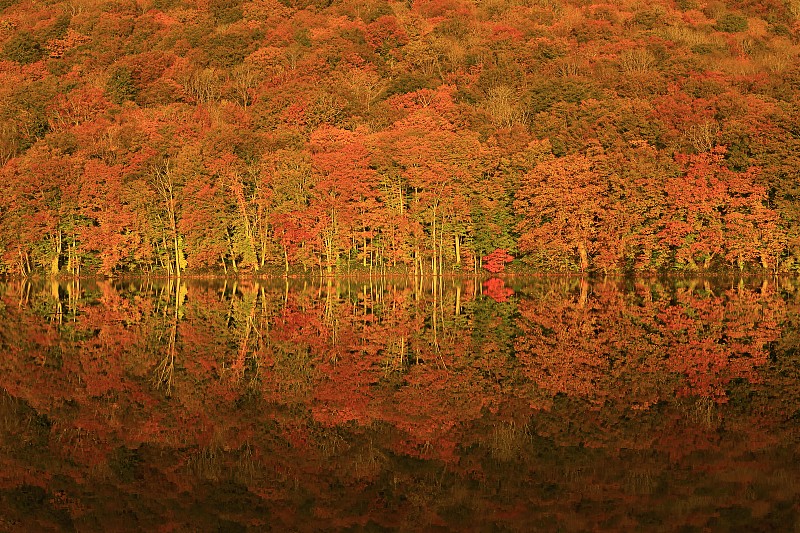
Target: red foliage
point(496, 261)
point(495, 288)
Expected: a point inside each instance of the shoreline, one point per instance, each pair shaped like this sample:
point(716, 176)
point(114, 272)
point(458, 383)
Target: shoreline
point(716, 275)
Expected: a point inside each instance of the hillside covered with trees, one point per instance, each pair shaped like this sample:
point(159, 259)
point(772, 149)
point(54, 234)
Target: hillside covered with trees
point(177, 136)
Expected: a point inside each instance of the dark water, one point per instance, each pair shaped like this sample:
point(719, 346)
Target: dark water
point(543, 404)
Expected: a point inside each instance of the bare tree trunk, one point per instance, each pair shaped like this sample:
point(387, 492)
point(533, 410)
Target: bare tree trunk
point(54, 261)
point(584, 256)
point(166, 188)
point(433, 235)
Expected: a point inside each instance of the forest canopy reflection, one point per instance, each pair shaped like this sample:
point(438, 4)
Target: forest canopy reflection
point(395, 404)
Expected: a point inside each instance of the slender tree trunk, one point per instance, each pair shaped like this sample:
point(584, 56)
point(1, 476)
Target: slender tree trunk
point(400, 191)
point(263, 238)
point(245, 218)
point(54, 262)
point(441, 249)
point(177, 255)
point(21, 264)
point(584, 256)
point(433, 235)
point(166, 188)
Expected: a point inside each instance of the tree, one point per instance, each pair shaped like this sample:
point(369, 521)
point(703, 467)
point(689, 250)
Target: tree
point(714, 211)
point(564, 203)
point(345, 188)
point(288, 175)
point(164, 180)
point(41, 198)
point(496, 261)
point(108, 222)
point(440, 165)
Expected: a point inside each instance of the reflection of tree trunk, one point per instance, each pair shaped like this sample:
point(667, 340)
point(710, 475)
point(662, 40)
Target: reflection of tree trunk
point(584, 297)
point(244, 343)
point(59, 309)
point(437, 301)
point(330, 310)
point(166, 367)
point(73, 293)
point(24, 293)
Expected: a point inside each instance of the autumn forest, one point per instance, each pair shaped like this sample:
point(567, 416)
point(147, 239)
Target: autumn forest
point(433, 136)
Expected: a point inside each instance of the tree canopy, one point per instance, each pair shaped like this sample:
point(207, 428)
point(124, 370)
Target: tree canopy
point(250, 136)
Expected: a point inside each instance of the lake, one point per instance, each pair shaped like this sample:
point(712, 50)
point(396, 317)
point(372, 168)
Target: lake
point(550, 404)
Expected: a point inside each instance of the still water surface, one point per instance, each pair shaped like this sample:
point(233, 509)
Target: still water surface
point(539, 404)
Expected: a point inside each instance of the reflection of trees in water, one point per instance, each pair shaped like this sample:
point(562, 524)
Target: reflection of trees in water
point(569, 336)
point(508, 440)
point(165, 369)
point(643, 340)
point(429, 391)
point(652, 340)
